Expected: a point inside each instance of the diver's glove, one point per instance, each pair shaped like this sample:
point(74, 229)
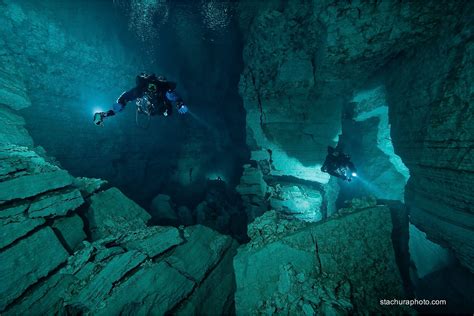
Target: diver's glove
point(183, 109)
point(99, 117)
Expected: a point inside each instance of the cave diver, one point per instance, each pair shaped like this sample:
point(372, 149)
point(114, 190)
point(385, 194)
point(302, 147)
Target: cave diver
point(153, 96)
point(339, 164)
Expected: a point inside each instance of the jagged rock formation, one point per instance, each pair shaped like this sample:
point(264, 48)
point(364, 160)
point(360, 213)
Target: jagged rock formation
point(339, 266)
point(305, 65)
point(430, 96)
point(125, 266)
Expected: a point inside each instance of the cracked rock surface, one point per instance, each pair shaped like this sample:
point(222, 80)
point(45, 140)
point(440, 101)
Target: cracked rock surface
point(343, 265)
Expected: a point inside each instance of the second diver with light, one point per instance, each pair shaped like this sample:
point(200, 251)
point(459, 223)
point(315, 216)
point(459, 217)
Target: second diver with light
point(339, 164)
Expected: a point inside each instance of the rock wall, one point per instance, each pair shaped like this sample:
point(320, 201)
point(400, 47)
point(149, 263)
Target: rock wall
point(303, 61)
point(430, 98)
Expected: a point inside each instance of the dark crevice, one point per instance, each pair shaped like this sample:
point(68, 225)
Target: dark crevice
point(400, 237)
point(126, 276)
point(316, 249)
point(62, 240)
point(259, 99)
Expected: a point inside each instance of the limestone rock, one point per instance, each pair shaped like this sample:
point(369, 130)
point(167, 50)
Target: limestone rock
point(215, 293)
point(24, 174)
point(14, 227)
point(346, 262)
point(13, 92)
point(271, 227)
point(46, 299)
point(88, 186)
point(92, 295)
point(13, 131)
point(201, 252)
point(252, 189)
point(24, 263)
point(31, 185)
point(435, 140)
point(251, 182)
point(71, 230)
point(297, 201)
point(136, 295)
point(151, 241)
point(426, 256)
point(55, 204)
point(162, 210)
point(111, 212)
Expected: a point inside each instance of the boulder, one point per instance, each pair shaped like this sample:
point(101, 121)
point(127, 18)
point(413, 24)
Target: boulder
point(111, 212)
point(136, 296)
point(202, 251)
point(344, 265)
point(27, 261)
point(151, 241)
point(17, 226)
point(55, 204)
point(162, 210)
point(89, 186)
point(33, 184)
point(71, 229)
point(92, 295)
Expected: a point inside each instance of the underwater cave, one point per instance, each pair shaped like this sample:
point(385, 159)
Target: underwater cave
point(288, 157)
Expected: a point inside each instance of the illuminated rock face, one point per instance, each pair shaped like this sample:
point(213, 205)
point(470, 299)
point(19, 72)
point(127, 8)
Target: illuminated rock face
point(381, 172)
point(430, 95)
point(304, 68)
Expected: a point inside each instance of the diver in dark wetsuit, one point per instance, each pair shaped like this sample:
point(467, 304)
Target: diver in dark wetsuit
point(153, 95)
point(339, 164)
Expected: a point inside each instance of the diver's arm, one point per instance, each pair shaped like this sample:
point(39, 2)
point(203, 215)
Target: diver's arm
point(122, 101)
point(116, 107)
point(173, 96)
point(128, 96)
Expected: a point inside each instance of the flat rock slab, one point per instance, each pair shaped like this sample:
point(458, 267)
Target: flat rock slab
point(56, 204)
point(153, 290)
point(26, 262)
point(97, 289)
point(33, 184)
point(152, 241)
point(15, 227)
point(46, 299)
point(111, 212)
point(215, 294)
point(88, 186)
point(201, 252)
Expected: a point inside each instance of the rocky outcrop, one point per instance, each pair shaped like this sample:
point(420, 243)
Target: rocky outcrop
point(430, 109)
point(304, 69)
point(72, 246)
point(339, 266)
